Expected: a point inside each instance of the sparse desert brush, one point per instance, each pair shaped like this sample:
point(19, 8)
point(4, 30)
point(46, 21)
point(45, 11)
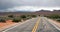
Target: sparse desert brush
point(16, 20)
point(11, 16)
point(2, 20)
point(53, 16)
point(33, 16)
point(58, 20)
point(23, 16)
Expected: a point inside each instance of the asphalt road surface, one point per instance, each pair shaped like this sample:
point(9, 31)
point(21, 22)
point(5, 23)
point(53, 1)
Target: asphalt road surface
point(39, 24)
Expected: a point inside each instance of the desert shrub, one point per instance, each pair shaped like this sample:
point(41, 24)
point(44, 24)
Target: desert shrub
point(11, 16)
point(38, 15)
point(33, 15)
point(23, 16)
point(16, 20)
point(28, 16)
point(58, 20)
point(2, 20)
point(53, 16)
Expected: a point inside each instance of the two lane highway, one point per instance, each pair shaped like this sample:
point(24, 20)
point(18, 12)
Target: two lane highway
point(39, 24)
point(26, 27)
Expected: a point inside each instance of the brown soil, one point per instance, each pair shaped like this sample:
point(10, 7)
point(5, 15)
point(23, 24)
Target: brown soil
point(7, 24)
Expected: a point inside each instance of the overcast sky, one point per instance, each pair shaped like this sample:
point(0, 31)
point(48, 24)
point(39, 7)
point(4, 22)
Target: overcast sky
point(28, 5)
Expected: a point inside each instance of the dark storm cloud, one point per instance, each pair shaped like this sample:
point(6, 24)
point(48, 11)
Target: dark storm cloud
point(5, 4)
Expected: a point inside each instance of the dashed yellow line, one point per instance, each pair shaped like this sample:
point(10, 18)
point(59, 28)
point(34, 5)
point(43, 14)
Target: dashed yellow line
point(36, 26)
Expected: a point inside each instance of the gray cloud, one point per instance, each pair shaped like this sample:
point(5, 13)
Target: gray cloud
point(5, 4)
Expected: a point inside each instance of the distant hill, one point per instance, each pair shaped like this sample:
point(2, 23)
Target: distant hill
point(14, 13)
point(47, 12)
point(40, 12)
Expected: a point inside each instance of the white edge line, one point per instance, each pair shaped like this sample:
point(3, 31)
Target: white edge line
point(55, 26)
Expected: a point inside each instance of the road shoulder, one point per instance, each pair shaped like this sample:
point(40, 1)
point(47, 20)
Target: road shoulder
point(55, 24)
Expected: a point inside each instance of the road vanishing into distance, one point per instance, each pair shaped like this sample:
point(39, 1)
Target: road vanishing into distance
point(38, 24)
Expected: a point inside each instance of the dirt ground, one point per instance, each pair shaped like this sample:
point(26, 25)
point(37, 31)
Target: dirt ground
point(6, 25)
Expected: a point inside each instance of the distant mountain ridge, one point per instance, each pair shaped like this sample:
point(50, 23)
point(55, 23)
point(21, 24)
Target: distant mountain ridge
point(48, 12)
point(40, 12)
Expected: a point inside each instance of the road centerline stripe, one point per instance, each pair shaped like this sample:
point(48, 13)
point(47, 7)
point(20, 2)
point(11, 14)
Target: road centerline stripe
point(36, 26)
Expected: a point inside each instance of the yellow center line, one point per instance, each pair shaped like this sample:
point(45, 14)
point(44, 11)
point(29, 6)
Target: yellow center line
point(36, 26)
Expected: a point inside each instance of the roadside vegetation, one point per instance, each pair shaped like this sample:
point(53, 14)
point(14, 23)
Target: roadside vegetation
point(33, 16)
point(10, 16)
point(2, 20)
point(17, 18)
point(54, 16)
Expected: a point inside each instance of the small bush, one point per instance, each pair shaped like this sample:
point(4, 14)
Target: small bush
point(54, 16)
point(39, 15)
point(11, 16)
point(23, 16)
point(28, 16)
point(58, 20)
point(2, 20)
point(16, 20)
point(33, 15)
